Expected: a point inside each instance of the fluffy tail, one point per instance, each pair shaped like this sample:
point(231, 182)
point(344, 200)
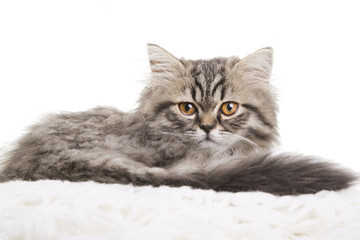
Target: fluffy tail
point(279, 174)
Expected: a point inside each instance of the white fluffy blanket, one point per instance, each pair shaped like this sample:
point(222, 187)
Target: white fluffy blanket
point(89, 211)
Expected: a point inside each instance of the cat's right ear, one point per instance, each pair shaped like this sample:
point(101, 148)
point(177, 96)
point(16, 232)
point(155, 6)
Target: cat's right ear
point(162, 63)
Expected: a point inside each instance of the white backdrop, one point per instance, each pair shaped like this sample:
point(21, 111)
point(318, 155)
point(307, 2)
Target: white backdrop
point(72, 55)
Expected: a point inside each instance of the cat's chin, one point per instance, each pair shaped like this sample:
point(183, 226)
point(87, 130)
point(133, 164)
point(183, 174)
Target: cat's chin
point(208, 143)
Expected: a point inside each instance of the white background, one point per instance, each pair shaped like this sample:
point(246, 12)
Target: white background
point(73, 55)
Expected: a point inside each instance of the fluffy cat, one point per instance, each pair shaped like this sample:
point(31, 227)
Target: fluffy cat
point(208, 124)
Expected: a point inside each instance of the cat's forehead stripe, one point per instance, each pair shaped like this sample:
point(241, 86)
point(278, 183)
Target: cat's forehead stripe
point(223, 91)
point(217, 83)
point(208, 77)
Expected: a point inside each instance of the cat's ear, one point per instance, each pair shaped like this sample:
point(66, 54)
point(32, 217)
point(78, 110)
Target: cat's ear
point(256, 66)
point(163, 63)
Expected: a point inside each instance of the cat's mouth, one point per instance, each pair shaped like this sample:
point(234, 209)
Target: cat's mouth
point(207, 139)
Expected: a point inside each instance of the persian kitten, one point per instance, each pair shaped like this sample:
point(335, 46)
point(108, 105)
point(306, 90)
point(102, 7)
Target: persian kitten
point(207, 124)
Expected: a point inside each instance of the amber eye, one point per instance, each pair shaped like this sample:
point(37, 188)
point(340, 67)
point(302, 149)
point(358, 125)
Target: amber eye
point(229, 108)
point(187, 109)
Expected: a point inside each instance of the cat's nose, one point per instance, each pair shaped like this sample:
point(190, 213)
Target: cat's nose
point(207, 128)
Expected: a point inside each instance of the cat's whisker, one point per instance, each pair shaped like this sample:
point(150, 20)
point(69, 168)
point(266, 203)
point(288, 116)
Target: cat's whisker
point(232, 142)
point(248, 141)
point(191, 134)
point(171, 133)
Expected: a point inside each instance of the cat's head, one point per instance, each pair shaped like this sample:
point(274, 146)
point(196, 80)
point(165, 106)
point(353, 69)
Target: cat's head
point(221, 103)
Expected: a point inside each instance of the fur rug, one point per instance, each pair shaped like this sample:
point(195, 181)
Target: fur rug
point(88, 211)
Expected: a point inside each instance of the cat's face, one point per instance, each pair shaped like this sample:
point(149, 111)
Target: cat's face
point(218, 104)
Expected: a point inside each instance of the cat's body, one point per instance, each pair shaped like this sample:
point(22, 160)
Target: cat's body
point(206, 124)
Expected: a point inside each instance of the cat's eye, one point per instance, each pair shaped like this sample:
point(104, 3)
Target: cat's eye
point(187, 109)
point(229, 108)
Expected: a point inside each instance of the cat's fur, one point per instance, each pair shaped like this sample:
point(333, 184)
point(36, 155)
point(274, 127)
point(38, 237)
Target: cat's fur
point(158, 145)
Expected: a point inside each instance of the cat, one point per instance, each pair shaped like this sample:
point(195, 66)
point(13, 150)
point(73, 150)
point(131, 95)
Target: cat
point(207, 124)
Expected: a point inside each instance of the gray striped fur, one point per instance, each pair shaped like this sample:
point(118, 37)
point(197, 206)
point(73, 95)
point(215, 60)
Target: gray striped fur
point(158, 145)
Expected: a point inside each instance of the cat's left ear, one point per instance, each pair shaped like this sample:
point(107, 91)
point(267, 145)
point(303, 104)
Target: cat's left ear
point(256, 66)
point(163, 64)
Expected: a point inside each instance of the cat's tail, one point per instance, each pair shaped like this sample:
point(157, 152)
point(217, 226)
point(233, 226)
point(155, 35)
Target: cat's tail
point(279, 174)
